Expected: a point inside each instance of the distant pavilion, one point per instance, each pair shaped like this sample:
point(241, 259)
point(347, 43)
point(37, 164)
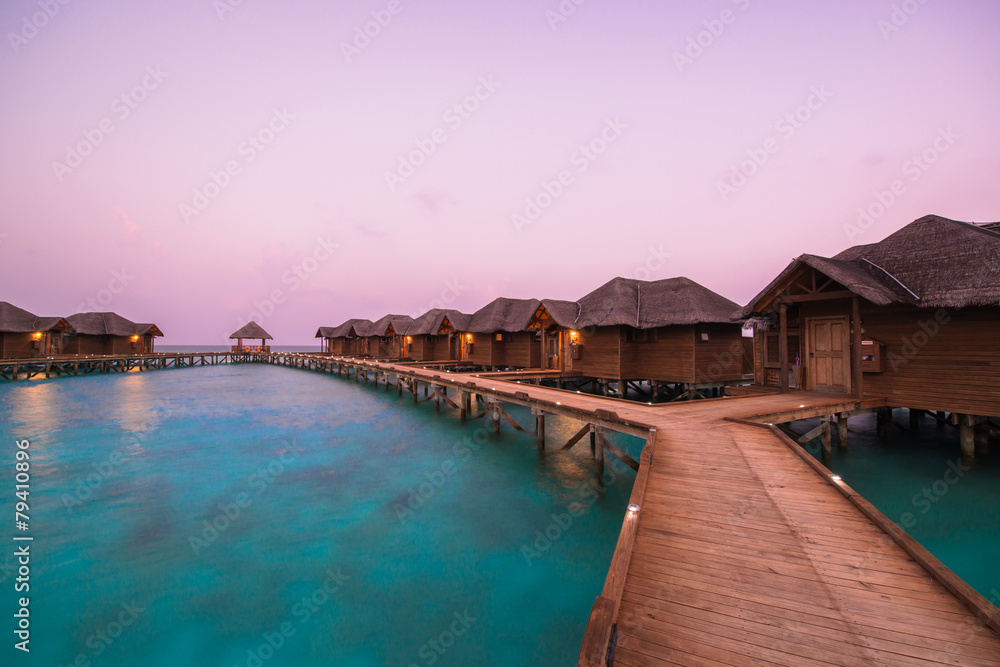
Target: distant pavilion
point(252, 331)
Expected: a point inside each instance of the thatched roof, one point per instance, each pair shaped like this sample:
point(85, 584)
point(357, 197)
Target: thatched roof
point(350, 329)
point(564, 313)
point(251, 330)
point(648, 304)
point(381, 326)
point(932, 262)
point(147, 328)
point(18, 320)
point(106, 324)
point(503, 314)
point(430, 322)
point(991, 226)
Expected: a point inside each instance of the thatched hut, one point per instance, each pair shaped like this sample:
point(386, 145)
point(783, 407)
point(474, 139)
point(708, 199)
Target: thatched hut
point(912, 319)
point(24, 335)
point(108, 333)
point(435, 336)
point(251, 330)
point(671, 331)
point(498, 336)
point(384, 338)
point(344, 340)
point(553, 328)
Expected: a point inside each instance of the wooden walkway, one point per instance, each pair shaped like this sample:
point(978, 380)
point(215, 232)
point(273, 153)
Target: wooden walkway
point(743, 554)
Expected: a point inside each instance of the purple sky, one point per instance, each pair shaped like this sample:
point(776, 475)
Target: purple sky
point(120, 226)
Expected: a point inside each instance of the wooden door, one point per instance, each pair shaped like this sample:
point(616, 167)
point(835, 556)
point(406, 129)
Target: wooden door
point(828, 367)
point(550, 352)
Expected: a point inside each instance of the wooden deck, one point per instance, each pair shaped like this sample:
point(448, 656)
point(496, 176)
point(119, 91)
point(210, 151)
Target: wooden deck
point(743, 554)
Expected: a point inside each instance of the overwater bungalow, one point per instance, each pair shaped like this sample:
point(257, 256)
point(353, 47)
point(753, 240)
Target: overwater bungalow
point(435, 336)
point(344, 340)
point(671, 332)
point(24, 335)
point(498, 336)
point(108, 333)
point(251, 331)
point(384, 338)
point(557, 342)
point(912, 319)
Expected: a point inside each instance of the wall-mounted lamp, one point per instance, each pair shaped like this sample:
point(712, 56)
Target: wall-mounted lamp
point(38, 335)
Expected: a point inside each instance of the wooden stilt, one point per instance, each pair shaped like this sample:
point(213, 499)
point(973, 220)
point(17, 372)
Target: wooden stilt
point(437, 400)
point(882, 418)
point(842, 430)
point(827, 438)
point(622, 388)
point(982, 437)
point(915, 418)
point(495, 419)
point(598, 457)
point(655, 390)
point(593, 437)
point(966, 437)
point(540, 429)
point(464, 410)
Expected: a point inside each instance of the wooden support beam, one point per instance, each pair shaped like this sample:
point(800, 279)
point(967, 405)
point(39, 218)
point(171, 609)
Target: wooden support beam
point(508, 418)
point(827, 445)
point(842, 430)
point(495, 418)
point(598, 458)
point(914, 418)
point(540, 429)
point(576, 438)
point(614, 449)
point(882, 417)
point(464, 410)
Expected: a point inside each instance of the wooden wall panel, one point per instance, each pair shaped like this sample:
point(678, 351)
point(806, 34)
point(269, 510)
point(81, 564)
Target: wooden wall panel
point(720, 359)
point(669, 358)
point(599, 353)
point(522, 349)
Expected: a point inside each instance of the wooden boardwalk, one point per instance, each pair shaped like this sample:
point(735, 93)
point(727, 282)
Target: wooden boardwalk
point(743, 554)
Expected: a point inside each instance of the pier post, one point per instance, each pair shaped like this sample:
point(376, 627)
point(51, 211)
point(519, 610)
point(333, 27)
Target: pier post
point(966, 437)
point(915, 419)
point(827, 438)
point(982, 436)
point(622, 388)
point(426, 384)
point(437, 398)
point(495, 418)
point(842, 430)
point(399, 386)
point(882, 418)
point(413, 386)
point(654, 389)
point(598, 456)
point(464, 406)
point(540, 429)
point(593, 439)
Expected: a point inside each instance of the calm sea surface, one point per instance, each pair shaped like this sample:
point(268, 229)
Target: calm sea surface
point(255, 515)
point(919, 481)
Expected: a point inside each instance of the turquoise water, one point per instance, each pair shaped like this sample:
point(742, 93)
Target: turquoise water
point(918, 480)
point(351, 527)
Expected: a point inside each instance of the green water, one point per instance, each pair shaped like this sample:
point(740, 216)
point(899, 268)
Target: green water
point(351, 527)
point(918, 480)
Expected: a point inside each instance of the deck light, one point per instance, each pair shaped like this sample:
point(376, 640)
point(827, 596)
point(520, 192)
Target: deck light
point(835, 478)
point(633, 508)
point(558, 403)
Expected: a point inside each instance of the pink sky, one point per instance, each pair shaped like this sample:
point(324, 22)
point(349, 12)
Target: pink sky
point(199, 82)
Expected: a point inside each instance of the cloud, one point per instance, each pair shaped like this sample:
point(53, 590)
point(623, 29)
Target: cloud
point(433, 199)
point(131, 230)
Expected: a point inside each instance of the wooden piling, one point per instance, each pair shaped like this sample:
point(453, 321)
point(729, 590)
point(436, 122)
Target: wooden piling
point(915, 419)
point(540, 429)
point(598, 456)
point(466, 398)
point(966, 437)
point(495, 419)
point(982, 437)
point(842, 430)
point(882, 417)
point(827, 438)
